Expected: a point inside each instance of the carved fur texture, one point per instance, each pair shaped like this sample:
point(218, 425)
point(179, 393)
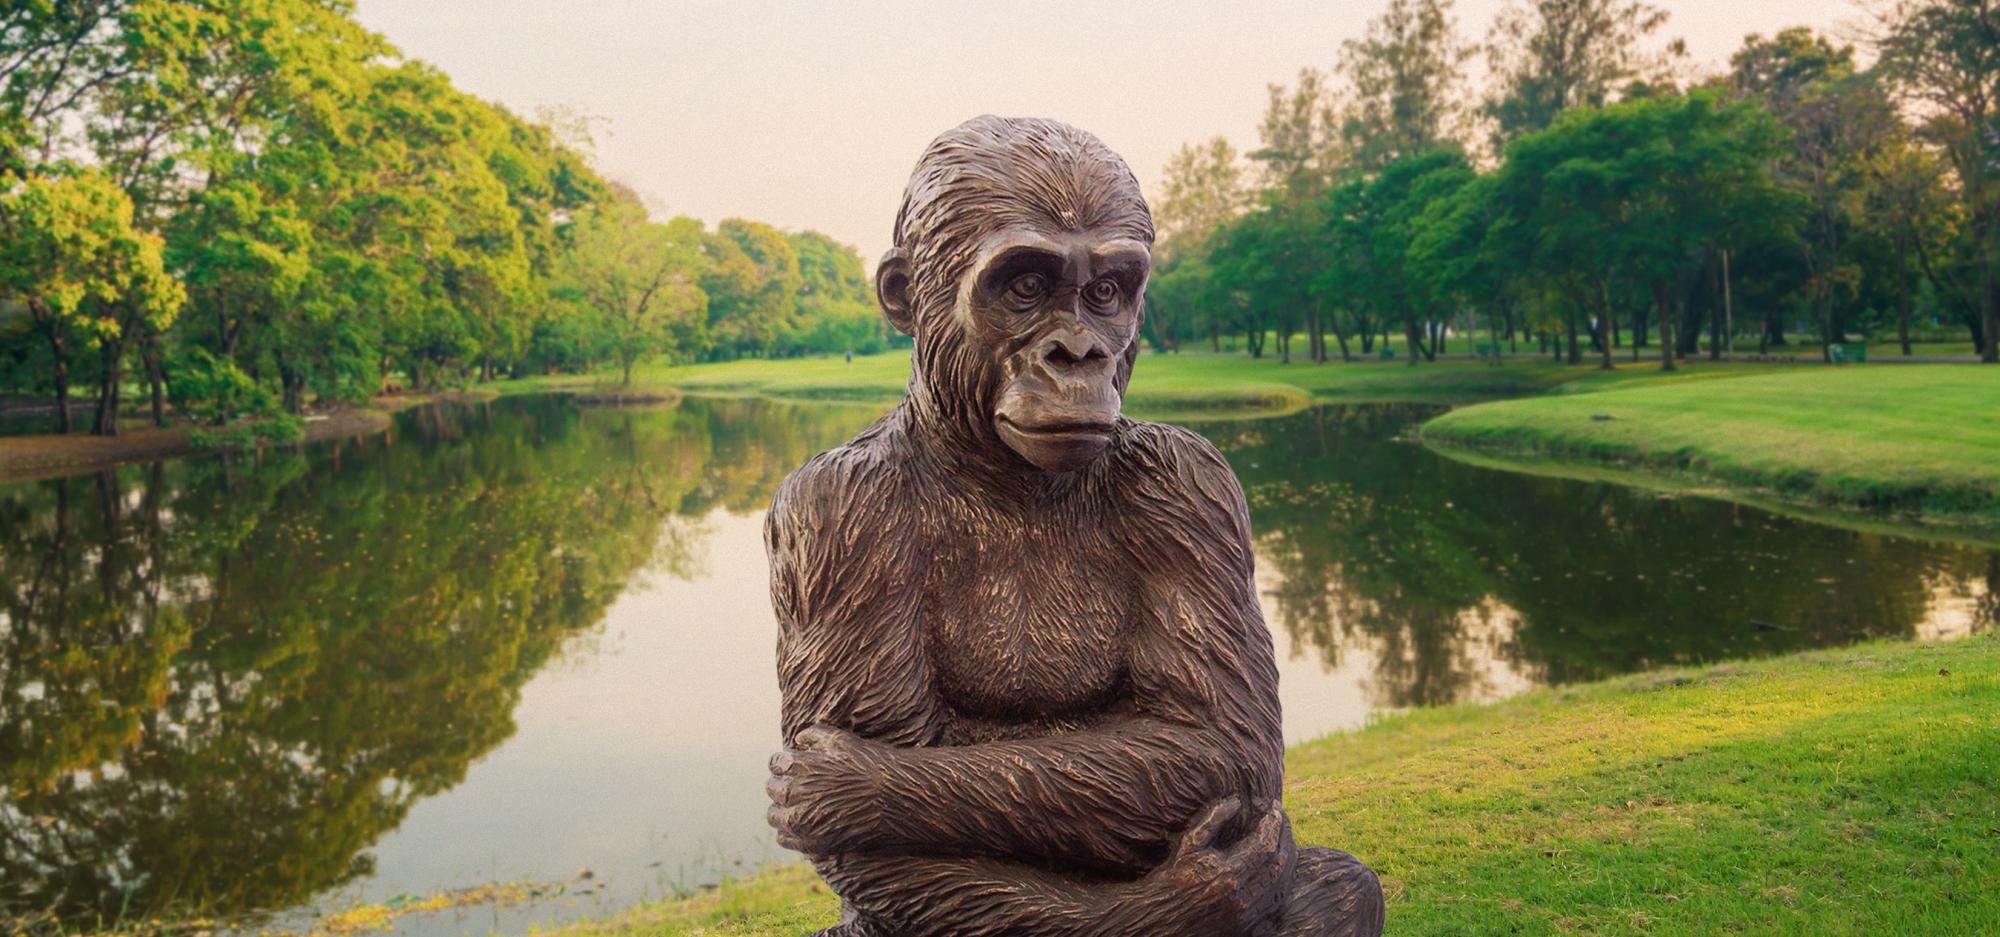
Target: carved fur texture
point(1027, 689)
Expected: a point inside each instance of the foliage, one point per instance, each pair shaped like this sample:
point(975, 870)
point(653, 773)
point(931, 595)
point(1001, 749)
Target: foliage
point(1944, 57)
point(1617, 205)
point(1554, 55)
point(1407, 79)
point(339, 220)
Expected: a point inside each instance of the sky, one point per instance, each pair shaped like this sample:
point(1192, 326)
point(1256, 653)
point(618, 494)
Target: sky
point(811, 113)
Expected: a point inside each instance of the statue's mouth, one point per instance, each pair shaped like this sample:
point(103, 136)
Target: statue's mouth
point(1060, 429)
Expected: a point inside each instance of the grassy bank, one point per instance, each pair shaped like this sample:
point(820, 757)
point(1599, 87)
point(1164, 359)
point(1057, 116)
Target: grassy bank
point(1916, 439)
point(1833, 792)
point(1162, 385)
point(25, 458)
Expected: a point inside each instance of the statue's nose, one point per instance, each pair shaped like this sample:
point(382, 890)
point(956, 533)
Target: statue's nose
point(1069, 349)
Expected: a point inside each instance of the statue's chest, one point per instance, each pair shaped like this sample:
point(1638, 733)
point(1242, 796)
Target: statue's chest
point(1026, 626)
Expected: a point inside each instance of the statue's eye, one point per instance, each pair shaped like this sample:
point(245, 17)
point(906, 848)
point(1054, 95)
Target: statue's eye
point(1028, 289)
point(1101, 293)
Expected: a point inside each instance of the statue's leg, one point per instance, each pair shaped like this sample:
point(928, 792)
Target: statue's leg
point(852, 924)
point(1333, 895)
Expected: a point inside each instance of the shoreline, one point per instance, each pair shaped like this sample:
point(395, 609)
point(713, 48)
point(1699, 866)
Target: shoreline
point(1974, 530)
point(1686, 799)
point(33, 458)
point(1811, 442)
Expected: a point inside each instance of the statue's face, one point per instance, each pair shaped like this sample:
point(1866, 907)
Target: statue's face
point(1055, 314)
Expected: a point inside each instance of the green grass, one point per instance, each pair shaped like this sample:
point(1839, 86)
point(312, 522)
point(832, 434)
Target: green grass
point(1162, 385)
point(1914, 439)
point(1836, 792)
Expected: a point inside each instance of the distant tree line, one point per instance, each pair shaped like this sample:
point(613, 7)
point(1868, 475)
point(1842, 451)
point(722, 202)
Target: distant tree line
point(1597, 196)
point(253, 206)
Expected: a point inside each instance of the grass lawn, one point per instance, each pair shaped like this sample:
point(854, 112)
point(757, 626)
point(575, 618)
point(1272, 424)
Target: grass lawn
point(1921, 439)
point(1163, 385)
point(1849, 791)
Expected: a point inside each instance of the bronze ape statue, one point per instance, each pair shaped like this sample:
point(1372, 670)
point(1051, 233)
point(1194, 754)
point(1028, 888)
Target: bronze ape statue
point(1027, 687)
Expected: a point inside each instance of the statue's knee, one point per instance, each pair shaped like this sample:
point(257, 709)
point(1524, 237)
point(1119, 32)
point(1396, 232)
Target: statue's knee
point(1333, 894)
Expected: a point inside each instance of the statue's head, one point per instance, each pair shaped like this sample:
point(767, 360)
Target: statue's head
point(1019, 267)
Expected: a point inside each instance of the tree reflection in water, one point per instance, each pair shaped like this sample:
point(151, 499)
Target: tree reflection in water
point(222, 679)
point(1454, 576)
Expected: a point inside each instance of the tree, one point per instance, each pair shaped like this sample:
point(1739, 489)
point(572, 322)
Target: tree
point(1201, 190)
point(69, 252)
point(1944, 56)
point(1639, 196)
point(1406, 78)
point(1549, 56)
point(1202, 193)
point(836, 308)
point(1299, 134)
point(638, 279)
point(752, 284)
point(1839, 121)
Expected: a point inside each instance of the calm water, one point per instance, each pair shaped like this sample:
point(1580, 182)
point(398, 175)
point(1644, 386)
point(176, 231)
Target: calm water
point(518, 641)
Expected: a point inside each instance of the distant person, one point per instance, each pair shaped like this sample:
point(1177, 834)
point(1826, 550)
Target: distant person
point(850, 357)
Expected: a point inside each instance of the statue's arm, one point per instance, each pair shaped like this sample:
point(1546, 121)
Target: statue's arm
point(849, 654)
point(1202, 724)
point(1205, 888)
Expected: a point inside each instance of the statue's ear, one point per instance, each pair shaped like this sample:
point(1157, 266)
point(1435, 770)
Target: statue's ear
point(892, 290)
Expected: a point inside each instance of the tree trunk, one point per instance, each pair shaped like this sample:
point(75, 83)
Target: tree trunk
point(158, 382)
point(108, 387)
point(1569, 327)
point(1990, 301)
point(62, 377)
point(1903, 293)
point(1412, 338)
point(1493, 333)
point(1604, 317)
point(1666, 328)
point(1728, 310)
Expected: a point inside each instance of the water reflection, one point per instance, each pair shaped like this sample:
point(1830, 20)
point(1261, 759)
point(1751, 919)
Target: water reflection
point(1461, 582)
point(513, 640)
point(222, 680)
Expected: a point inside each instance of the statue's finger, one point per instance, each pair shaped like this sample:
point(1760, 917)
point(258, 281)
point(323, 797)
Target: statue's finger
point(1270, 831)
point(782, 763)
point(816, 739)
point(1208, 828)
point(780, 790)
point(780, 819)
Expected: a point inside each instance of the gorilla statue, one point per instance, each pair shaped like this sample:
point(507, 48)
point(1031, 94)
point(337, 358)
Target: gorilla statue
point(1027, 687)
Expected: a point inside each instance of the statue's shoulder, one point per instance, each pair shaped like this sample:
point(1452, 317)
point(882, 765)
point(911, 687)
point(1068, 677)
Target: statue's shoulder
point(1175, 482)
point(1163, 448)
point(841, 485)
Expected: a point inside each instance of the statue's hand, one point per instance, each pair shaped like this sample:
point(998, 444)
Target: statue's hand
point(1238, 888)
point(826, 793)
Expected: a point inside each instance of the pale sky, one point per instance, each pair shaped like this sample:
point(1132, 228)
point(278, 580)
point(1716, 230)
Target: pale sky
point(810, 114)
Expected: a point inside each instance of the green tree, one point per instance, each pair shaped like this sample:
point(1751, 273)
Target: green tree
point(836, 309)
point(70, 253)
point(638, 278)
point(1839, 122)
point(1548, 56)
point(1407, 84)
point(1944, 57)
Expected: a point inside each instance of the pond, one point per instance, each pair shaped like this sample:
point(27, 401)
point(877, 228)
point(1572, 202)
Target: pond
point(529, 640)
